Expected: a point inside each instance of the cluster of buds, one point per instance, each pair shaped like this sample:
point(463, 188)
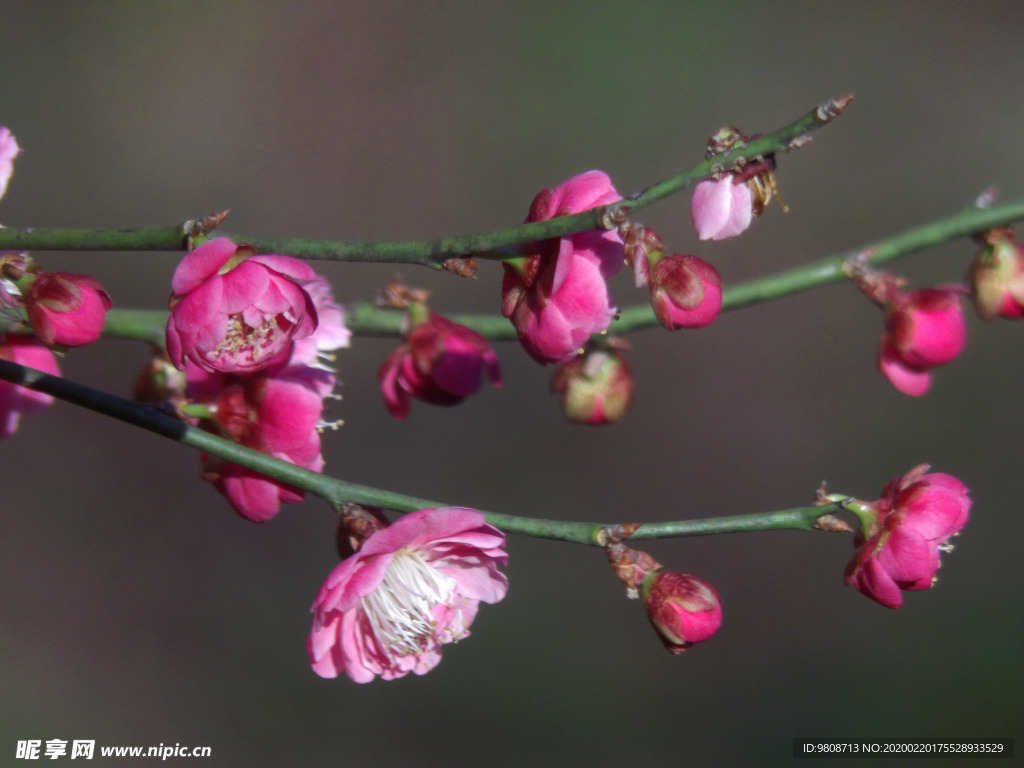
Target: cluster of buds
point(42, 312)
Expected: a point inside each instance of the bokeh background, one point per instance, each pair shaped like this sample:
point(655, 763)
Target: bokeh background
point(139, 610)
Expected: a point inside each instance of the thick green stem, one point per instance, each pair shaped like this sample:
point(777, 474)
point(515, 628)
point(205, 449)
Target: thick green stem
point(336, 492)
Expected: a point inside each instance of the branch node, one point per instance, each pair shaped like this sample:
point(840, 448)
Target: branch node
point(461, 266)
point(615, 215)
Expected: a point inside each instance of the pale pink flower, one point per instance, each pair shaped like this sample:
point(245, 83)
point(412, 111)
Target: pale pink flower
point(276, 411)
point(923, 329)
point(721, 208)
point(556, 296)
point(15, 400)
point(595, 387)
point(9, 150)
point(440, 362)
point(331, 333)
point(66, 310)
point(902, 533)
point(412, 588)
point(686, 292)
point(683, 609)
point(235, 312)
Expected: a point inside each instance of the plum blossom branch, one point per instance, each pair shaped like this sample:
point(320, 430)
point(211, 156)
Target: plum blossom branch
point(430, 253)
point(366, 319)
point(337, 492)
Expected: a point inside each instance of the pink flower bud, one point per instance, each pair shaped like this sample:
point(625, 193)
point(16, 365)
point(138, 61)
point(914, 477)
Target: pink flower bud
point(66, 310)
point(596, 387)
point(441, 362)
point(236, 312)
point(686, 292)
point(556, 295)
point(15, 400)
point(721, 208)
point(902, 533)
point(9, 150)
point(412, 587)
point(923, 329)
point(996, 276)
point(683, 609)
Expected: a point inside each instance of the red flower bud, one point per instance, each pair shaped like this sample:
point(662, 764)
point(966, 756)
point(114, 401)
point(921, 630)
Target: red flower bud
point(683, 609)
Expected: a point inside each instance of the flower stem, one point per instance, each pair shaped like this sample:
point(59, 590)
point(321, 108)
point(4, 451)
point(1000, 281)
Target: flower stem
point(428, 253)
point(337, 492)
point(366, 319)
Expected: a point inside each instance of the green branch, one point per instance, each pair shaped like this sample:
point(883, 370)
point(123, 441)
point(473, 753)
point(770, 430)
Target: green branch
point(365, 319)
point(336, 492)
point(428, 253)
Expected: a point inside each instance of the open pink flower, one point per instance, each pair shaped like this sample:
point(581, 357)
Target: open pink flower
point(683, 609)
point(686, 292)
point(412, 588)
point(9, 150)
point(902, 532)
point(15, 400)
point(441, 362)
point(556, 296)
point(66, 310)
point(923, 329)
point(721, 208)
point(277, 412)
point(235, 312)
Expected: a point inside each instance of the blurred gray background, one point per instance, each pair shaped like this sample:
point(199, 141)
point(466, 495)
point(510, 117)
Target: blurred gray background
point(138, 609)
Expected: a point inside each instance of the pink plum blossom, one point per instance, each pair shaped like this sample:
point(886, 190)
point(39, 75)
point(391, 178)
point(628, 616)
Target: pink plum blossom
point(9, 150)
point(66, 310)
point(595, 387)
point(15, 400)
point(441, 362)
point(902, 533)
point(235, 312)
point(331, 333)
point(410, 589)
point(923, 329)
point(686, 292)
point(276, 411)
point(721, 208)
point(683, 609)
point(556, 295)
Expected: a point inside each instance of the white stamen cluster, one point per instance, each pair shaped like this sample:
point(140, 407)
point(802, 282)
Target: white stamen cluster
point(399, 610)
